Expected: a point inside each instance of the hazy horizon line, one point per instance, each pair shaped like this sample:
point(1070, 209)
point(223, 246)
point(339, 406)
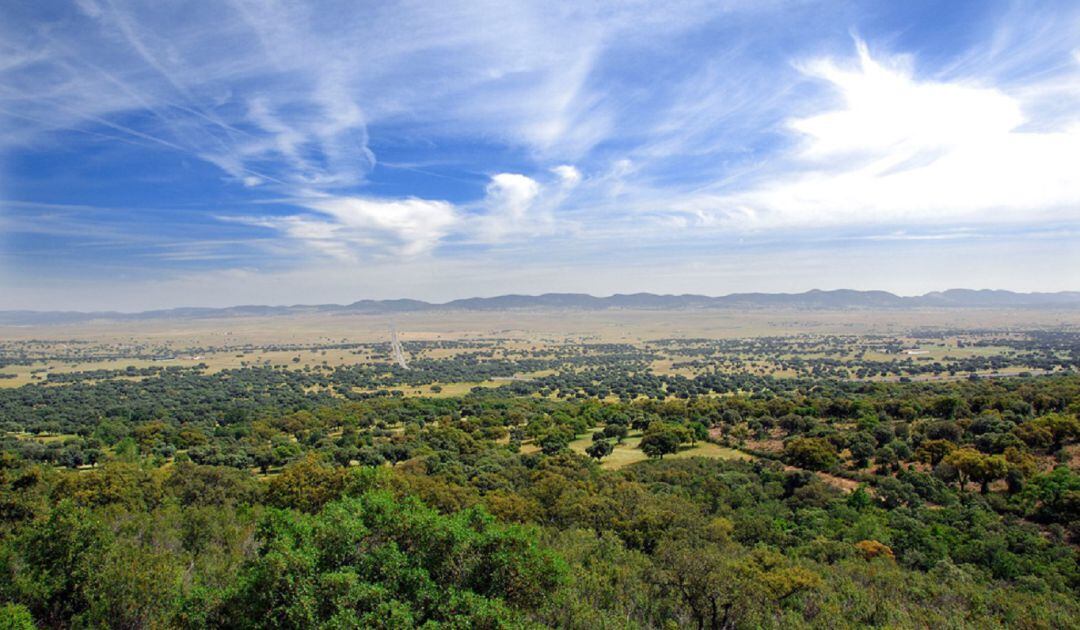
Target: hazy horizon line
point(579, 294)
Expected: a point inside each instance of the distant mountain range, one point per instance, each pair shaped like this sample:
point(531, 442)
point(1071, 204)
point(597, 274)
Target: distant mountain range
point(810, 300)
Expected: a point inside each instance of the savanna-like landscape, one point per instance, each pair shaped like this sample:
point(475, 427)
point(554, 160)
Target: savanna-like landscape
point(519, 467)
point(523, 314)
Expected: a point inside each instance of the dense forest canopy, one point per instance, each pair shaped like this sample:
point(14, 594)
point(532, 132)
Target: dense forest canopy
point(596, 493)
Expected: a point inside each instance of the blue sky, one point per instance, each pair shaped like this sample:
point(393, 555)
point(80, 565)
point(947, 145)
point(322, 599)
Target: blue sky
point(168, 153)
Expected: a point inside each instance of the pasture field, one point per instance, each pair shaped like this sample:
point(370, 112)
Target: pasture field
point(672, 343)
point(629, 452)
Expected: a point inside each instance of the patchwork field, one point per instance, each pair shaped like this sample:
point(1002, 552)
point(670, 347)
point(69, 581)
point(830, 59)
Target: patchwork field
point(684, 343)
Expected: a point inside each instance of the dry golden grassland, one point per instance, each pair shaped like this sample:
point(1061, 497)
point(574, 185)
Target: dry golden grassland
point(224, 343)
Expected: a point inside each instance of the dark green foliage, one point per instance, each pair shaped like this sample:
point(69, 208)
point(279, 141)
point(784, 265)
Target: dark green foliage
point(16, 617)
point(473, 511)
point(812, 453)
point(374, 561)
point(662, 438)
point(862, 446)
point(600, 449)
point(555, 441)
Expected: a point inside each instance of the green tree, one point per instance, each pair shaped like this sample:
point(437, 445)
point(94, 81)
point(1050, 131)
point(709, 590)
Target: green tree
point(862, 446)
point(555, 441)
point(933, 451)
point(57, 563)
point(661, 438)
point(810, 453)
point(968, 464)
point(990, 469)
point(1053, 431)
point(1021, 466)
point(1053, 497)
point(599, 450)
point(376, 561)
point(310, 483)
point(617, 431)
point(728, 589)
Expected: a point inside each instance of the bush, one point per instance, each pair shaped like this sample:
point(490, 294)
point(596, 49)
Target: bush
point(16, 617)
point(810, 453)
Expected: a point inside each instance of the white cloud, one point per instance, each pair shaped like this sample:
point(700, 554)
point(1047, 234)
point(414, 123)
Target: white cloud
point(512, 194)
point(516, 206)
point(569, 175)
point(899, 150)
point(89, 7)
point(890, 115)
point(509, 207)
point(351, 228)
point(416, 225)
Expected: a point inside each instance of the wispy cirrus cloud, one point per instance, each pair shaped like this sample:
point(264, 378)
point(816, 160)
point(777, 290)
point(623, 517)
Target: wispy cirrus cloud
point(287, 91)
point(327, 132)
point(280, 97)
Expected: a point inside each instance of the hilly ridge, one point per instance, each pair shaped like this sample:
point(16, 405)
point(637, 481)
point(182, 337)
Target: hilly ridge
point(810, 300)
